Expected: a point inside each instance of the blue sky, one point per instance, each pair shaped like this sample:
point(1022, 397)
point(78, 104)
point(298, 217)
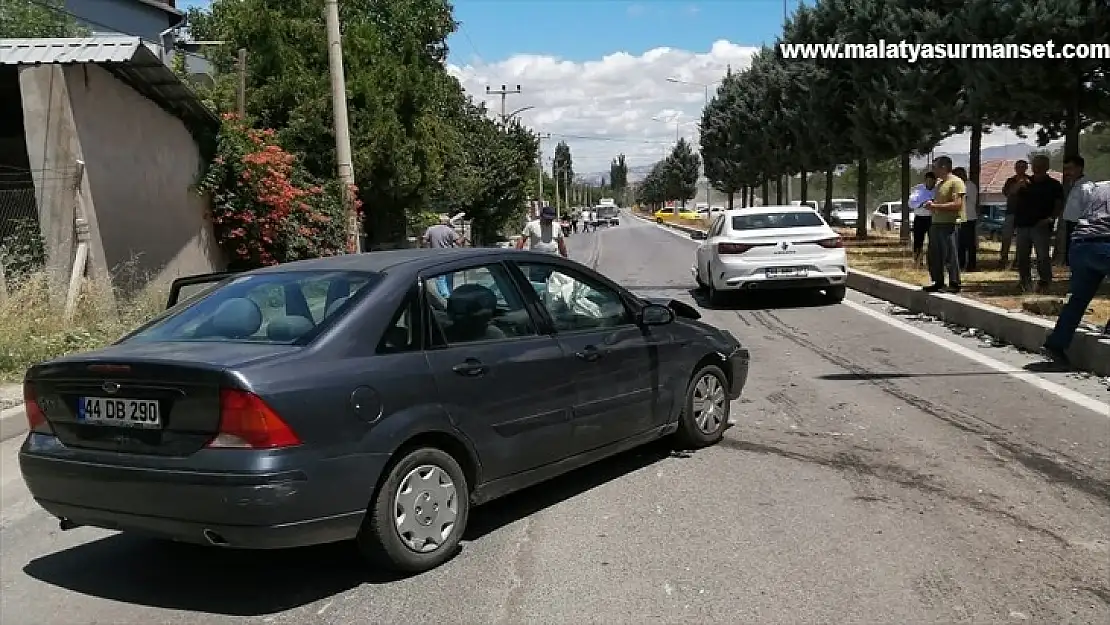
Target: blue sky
point(580, 30)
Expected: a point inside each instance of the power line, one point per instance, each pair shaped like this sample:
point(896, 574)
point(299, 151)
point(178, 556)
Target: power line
point(611, 139)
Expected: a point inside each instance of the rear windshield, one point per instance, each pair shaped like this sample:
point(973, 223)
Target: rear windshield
point(845, 206)
point(272, 308)
point(801, 219)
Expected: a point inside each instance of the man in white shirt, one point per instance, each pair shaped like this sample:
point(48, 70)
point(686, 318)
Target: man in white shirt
point(969, 233)
point(1082, 190)
point(922, 216)
point(544, 235)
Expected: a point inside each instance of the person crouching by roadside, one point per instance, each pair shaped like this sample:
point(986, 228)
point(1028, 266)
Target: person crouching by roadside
point(1089, 260)
point(968, 238)
point(947, 210)
point(544, 235)
point(922, 216)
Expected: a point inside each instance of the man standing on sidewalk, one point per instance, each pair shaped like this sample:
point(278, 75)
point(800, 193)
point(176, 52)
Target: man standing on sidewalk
point(1039, 203)
point(969, 233)
point(1089, 260)
point(947, 209)
point(1013, 185)
point(1082, 190)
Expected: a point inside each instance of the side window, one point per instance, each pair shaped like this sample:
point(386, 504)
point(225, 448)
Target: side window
point(401, 335)
point(884, 210)
point(476, 304)
point(573, 301)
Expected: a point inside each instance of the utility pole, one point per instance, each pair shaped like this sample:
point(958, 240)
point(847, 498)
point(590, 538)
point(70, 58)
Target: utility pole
point(241, 92)
point(566, 188)
point(342, 130)
point(503, 91)
point(555, 178)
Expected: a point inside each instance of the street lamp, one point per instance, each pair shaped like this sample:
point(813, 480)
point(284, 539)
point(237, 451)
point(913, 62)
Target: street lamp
point(518, 112)
point(704, 85)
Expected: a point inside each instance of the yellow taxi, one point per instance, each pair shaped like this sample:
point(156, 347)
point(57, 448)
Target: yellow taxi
point(669, 213)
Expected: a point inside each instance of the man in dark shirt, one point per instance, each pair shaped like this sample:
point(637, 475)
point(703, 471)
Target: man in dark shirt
point(1089, 259)
point(1013, 185)
point(1038, 205)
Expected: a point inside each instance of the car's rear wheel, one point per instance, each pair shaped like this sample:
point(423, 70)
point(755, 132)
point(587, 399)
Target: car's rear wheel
point(835, 294)
point(419, 514)
point(705, 415)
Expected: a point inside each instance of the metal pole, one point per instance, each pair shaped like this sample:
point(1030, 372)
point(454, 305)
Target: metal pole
point(241, 92)
point(342, 130)
point(503, 91)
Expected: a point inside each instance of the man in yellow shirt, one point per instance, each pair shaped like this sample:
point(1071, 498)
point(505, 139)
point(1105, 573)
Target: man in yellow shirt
point(947, 209)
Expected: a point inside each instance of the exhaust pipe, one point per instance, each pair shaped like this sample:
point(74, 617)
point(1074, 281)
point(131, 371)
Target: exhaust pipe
point(65, 524)
point(215, 539)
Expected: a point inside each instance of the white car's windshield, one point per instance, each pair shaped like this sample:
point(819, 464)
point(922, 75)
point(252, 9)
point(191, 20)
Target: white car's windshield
point(801, 219)
point(843, 207)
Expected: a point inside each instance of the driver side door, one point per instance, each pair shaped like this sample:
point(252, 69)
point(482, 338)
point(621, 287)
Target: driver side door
point(614, 363)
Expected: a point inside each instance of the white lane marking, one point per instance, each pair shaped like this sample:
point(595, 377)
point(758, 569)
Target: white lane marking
point(1062, 392)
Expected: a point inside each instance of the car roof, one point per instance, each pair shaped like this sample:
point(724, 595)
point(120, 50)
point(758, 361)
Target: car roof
point(751, 210)
point(415, 259)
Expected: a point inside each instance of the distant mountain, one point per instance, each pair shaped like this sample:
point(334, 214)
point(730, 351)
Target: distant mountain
point(1015, 151)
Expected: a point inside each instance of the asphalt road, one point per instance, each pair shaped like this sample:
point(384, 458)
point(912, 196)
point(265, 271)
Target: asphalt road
point(873, 475)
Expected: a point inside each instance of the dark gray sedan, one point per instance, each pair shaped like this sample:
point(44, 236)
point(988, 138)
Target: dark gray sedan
point(374, 397)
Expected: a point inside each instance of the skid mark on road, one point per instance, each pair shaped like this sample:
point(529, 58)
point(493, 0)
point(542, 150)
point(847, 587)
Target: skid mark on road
point(1026, 453)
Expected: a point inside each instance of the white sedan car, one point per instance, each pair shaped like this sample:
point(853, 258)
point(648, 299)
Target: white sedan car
point(771, 247)
point(888, 217)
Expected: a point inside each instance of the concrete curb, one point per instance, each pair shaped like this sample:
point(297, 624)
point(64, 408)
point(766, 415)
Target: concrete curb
point(1089, 351)
point(13, 423)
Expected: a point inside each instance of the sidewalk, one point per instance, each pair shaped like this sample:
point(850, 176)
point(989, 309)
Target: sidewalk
point(12, 421)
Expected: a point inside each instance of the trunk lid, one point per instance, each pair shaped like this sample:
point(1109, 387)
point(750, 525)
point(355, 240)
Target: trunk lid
point(154, 398)
point(785, 245)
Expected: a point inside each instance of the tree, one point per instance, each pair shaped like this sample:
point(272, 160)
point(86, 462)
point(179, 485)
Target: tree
point(652, 190)
point(414, 132)
point(563, 165)
point(42, 18)
point(681, 172)
point(618, 177)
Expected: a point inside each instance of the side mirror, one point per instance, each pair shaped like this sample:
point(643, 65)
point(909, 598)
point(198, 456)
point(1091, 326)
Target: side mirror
point(656, 315)
point(697, 235)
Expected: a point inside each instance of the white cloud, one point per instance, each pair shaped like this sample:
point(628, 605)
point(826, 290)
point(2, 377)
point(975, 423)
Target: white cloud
point(608, 106)
point(604, 107)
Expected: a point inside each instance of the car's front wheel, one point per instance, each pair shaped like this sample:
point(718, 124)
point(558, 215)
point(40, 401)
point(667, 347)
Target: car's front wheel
point(419, 514)
point(705, 415)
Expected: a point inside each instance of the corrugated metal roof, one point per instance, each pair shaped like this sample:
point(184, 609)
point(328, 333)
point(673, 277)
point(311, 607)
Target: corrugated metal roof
point(105, 49)
point(127, 58)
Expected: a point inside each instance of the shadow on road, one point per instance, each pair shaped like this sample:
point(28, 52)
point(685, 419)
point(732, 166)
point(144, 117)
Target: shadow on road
point(194, 578)
point(894, 375)
point(497, 514)
point(762, 300)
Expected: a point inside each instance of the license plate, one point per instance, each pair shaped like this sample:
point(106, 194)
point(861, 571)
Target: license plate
point(786, 272)
point(125, 413)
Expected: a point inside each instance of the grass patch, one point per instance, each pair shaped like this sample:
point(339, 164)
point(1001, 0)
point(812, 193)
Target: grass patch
point(992, 284)
point(32, 328)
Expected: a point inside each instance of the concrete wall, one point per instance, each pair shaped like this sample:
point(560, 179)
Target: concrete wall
point(142, 166)
point(52, 153)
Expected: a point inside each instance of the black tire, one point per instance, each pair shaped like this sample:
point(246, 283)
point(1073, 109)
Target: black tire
point(379, 540)
point(835, 294)
point(690, 435)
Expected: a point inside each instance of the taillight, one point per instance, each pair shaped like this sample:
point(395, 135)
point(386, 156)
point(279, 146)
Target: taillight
point(733, 248)
point(246, 422)
point(36, 418)
point(831, 243)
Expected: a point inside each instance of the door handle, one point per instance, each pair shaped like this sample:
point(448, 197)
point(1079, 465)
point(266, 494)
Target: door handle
point(589, 353)
point(470, 367)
